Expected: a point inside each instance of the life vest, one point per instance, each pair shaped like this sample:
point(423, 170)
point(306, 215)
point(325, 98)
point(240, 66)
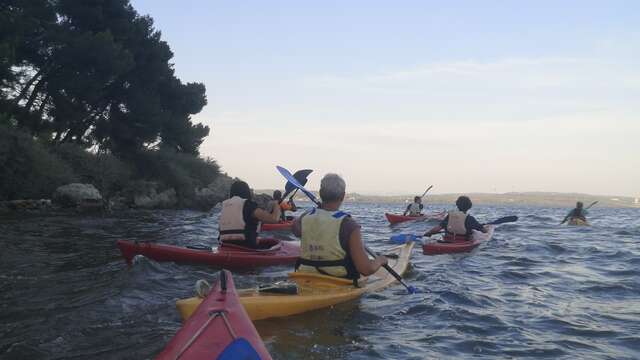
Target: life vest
point(455, 224)
point(231, 224)
point(321, 251)
point(285, 206)
point(414, 209)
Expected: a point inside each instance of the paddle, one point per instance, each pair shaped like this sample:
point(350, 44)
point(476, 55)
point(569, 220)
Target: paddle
point(590, 205)
point(301, 177)
point(287, 175)
point(403, 238)
point(426, 191)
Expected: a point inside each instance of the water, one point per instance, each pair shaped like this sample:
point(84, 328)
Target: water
point(535, 290)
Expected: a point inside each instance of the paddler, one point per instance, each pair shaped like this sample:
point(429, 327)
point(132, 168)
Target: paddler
point(288, 205)
point(241, 216)
point(415, 208)
point(331, 241)
point(579, 212)
point(458, 223)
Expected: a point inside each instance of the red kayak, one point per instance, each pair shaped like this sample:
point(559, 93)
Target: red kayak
point(283, 225)
point(219, 329)
point(452, 246)
point(394, 219)
point(273, 252)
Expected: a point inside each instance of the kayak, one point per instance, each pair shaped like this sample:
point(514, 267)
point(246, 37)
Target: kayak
point(304, 292)
point(394, 219)
point(283, 225)
point(219, 328)
point(457, 246)
point(274, 252)
point(578, 222)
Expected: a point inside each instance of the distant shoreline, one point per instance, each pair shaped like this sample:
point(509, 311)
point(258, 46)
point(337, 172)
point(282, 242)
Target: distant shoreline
point(512, 198)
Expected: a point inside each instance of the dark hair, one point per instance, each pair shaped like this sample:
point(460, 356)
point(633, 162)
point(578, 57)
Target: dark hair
point(464, 203)
point(241, 189)
point(277, 195)
point(416, 198)
point(579, 204)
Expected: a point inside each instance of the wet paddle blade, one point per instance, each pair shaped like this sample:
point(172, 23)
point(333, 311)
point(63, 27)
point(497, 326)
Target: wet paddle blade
point(301, 176)
point(239, 349)
point(287, 175)
point(506, 219)
point(403, 238)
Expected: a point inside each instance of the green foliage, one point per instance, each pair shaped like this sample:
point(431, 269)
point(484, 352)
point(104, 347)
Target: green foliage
point(95, 73)
point(29, 171)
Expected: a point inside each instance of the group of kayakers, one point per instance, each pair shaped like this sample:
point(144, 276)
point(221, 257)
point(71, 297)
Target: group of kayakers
point(330, 239)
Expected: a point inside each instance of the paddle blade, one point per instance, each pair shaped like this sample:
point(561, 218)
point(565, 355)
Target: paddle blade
point(403, 238)
point(239, 349)
point(301, 176)
point(506, 219)
point(287, 175)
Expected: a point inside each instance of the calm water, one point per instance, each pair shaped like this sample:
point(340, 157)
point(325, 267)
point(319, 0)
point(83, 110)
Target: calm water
point(535, 290)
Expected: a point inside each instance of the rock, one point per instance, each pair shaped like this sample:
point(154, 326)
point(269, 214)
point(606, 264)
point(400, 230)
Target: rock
point(153, 200)
point(74, 195)
point(216, 192)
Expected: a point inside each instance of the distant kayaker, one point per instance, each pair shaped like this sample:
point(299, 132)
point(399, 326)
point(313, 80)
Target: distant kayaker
point(288, 205)
point(331, 241)
point(241, 215)
point(578, 213)
point(415, 208)
point(458, 222)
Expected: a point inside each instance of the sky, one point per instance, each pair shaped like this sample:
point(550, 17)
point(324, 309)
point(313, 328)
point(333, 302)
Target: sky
point(470, 96)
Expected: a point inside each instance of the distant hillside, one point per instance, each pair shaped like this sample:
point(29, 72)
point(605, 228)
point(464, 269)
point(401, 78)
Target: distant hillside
point(516, 198)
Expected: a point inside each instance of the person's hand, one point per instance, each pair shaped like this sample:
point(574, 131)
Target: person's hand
point(381, 260)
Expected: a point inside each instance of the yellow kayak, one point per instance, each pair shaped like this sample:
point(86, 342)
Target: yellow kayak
point(578, 222)
point(309, 291)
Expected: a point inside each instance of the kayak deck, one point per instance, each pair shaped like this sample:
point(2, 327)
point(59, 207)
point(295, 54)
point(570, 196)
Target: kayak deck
point(578, 222)
point(219, 325)
point(228, 256)
point(309, 291)
point(284, 225)
point(394, 218)
point(459, 246)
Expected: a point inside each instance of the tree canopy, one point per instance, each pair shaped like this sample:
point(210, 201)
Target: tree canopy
point(94, 72)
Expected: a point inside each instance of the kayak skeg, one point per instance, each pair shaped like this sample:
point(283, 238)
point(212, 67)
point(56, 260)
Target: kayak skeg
point(274, 252)
point(283, 225)
point(305, 292)
point(458, 246)
point(394, 219)
point(578, 222)
point(218, 329)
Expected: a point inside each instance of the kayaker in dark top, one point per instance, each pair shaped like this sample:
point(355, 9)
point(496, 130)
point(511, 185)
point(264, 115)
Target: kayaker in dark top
point(331, 242)
point(241, 215)
point(578, 213)
point(285, 206)
point(415, 208)
point(458, 223)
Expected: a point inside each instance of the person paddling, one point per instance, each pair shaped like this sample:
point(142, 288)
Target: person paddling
point(415, 208)
point(331, 241)
point(579, 212)
point(241, 216)
point(458, 223)
point(288, 205)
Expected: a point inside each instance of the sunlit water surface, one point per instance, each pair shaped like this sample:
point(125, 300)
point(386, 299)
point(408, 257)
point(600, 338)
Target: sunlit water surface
point(536, 289)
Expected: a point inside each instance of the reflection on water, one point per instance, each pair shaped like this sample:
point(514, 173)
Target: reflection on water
point(535, 290)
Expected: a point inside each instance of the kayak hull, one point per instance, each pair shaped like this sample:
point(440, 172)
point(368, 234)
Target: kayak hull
point(458, 246)
point(578, 222)
point(207, 333)
point(227, 256)
point(311, 291)
point(395, 219)
point(281, 226)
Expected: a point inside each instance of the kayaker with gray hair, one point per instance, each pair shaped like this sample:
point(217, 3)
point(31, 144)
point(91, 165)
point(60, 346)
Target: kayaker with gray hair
point(240, 217)
point(331, 240)
point(458, 223)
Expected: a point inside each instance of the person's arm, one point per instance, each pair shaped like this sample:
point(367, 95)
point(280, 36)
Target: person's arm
point(296, 227)
point(434, 230)
point(567, 217)
point(272, 217)
point(363, 264)
point(475, 225)
point(293, 205)
point(407, 210)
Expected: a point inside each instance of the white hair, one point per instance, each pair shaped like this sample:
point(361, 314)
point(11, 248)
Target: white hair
point(332, 187)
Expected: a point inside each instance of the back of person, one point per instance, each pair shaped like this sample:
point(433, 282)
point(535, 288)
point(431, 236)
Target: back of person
point(236, 224)
point(321, 246)
point(414, 209)
point(456, 224)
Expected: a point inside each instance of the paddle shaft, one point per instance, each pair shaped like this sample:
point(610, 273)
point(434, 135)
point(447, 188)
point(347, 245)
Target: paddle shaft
point(426, 191)
point(390, 270)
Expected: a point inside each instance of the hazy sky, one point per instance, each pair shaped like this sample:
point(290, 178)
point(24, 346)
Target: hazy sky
point(471, 96)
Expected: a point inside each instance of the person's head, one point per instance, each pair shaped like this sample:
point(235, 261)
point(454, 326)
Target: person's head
point(332, 188)
point(464, 203)
point(241, 189)
point(277, 195)
point(417, 199)
point(579, 204)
